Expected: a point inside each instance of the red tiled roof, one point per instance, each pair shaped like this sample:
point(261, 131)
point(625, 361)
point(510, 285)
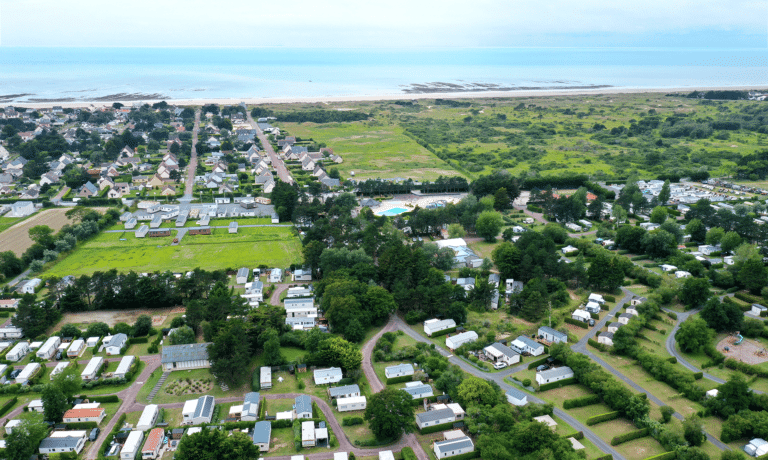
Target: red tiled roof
point(154, 438)
point(84, 413)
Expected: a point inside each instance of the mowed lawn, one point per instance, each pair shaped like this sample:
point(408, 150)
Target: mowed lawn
point(250, 247)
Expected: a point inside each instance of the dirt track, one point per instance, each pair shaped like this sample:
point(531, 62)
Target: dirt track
point(17, 239)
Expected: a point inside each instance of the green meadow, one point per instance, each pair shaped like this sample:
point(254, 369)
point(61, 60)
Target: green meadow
point(250, 247)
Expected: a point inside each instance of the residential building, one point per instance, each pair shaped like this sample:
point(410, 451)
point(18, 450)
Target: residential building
point(418, 390)
point(198, 411)
point(63, 441)
point(516, 397)
point(308, 434)
point(554, 375)
point(11, 425)
point(85, 415)
point(581, 315)
point(432, 326)
point(398, 370)
point(250, 411)
point(48, 349)
point(56, 370)
point(351, 403)
point(625, 317)
point(148, 417)
point(499, 353)
point(455, 341)
point(132, 445)
point(11, 332)
point(757, 309)
point(606, 338)
point(187, 356)
point(124, 367)
point(276, 275)
point(453, 447)
point(551, 335)
point(22, 209)
point(28, 373)
point(242, 275)
point(435, 417)
point(303, 406)
point(18, 352)
point(386, 455)
point(154, 442)
point(262, 433)
point(326, 376)
point(300, 307)
point(346, 391)
point(76, 348)
point(92, 369)
point(523, 344)
point(265, 378)
point(116, 344)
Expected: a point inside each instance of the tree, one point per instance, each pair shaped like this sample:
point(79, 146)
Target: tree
point(556, 232)
point(41, 234)
point(24, 440)
point(68, 381)
point(182, 335)
point(142, 326)
point(605, 272)
point(722, 316)
point(697, 230)
point(229, 352)
point(659, 243)
point(336, 351)
point(732, 397)
point(659, 215)
point(456, 231)
point(692, 431)
point(54, 403)
point(730, 241)
point(695, 292)
point(211, 444)
point(70, 330)
point(664, 193)
point(753, 275)
point(501, 199)
point(272, 356)
point(488, 225)
point(97, 330)
point(34, 317)
point(619, 213)
point(389, 414)
point(714, 235)
point(693, 335)
point(474, 390)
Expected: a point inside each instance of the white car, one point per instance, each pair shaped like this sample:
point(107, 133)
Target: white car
point(500, 365)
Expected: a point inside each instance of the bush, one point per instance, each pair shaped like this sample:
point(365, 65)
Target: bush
point(747, 298)
point(672, 315)
point(626, 437)
point(7, 406)
point(256, 380)
point(408, 454)
point(576, 322)
point(603, 418)
point(351, 421)
point(672, 360)
point(526, 382)
point(609, 298)
point(558, 384)
point(443, 332)
point(82, 426)
point(436, 428)
point(698, 375)
point(666, 414)
point(581, 402)
point(403, 378)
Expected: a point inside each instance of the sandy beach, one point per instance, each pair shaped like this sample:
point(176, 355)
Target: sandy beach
point(393, 97)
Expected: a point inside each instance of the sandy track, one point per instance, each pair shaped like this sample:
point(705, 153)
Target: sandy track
point(17, 239)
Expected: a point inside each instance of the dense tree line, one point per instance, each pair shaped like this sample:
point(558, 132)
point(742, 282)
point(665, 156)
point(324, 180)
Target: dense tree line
point(321, 116)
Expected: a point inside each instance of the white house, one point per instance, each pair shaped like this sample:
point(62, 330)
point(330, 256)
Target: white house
point(581, 315)
point(606, 338)
point(568, 249)
point(435, 417)
point(58, 369)
point(29, 371)
point(346, 391)
point(187, 356)
point(682, 274)
point(398, 370)
point(116, 344)
point(48, 349)
point(242, 275)
point(11, 332)
point(92, 368)
point(757, 447)
point(265, 378)
point(435, 325)
point(18, 352)
point(11, 425)
point(597, 298)
point(302, 406)
point(517, 397)
point(28, 287)
point(418, 390)
point(499, 353)
point(63, 441)
point(453, 447)
point(198, 411)
point(36, 405)
point(625, 317)
point(551, 335)
point(276, 276)
point(148, 417)
point(307, 434)
point(301, 274)
point(523, 344)
point(326, 376)
point(124, 367)
point(132, 445)
point(668, 268)
point(76, 348)
point(353, 403)
point(455, 341)
point(554, 375)
point(757, 309)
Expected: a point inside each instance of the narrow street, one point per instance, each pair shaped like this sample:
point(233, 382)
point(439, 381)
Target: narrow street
point(189, 185)
point(277, 163)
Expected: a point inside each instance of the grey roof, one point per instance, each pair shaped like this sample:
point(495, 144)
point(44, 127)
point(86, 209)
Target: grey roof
point(59, 443)
point(91, 188)
point(454, 444)
point(556, 372)
point(417, 390)
point(494, 278)
point(303, 404)
point(261, 432)
point(251, 399)
point(432, 415)
point(606, 334)
point(504, 349)
point(345, 390)
point(615, 324)
point(188, 352)
point(204, 406)
point(555, 333)
point(399, 368)
point(626, 315)
point(118, 340)
point(515, 393)
point(288, 302)
point(529, 342)
point(242, 272)
point(331, 371)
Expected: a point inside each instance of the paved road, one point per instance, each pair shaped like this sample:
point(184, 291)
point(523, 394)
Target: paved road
point(498, 377)
point(277, 163)
point(192, 166)
point(198, 228)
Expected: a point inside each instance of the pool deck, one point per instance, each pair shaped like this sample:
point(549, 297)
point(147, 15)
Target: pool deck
point(410, 204)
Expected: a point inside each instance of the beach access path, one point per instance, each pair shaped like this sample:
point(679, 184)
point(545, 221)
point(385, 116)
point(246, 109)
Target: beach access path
point(277, 162)
point(192, 166)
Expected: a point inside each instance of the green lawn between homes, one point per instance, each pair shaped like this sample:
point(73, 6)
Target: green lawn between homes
point(271, 246)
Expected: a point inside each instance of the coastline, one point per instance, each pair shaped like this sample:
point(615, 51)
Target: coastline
point(394, 97)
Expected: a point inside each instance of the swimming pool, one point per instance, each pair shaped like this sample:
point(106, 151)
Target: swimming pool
point(391, 212)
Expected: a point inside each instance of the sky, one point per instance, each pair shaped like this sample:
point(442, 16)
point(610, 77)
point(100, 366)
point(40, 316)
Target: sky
point(390, 24)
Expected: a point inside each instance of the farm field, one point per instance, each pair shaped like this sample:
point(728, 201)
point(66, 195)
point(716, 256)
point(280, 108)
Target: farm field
point(272, 246)
point(16, 237)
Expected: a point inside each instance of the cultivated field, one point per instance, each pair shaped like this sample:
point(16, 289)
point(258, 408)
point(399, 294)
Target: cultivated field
point(16, 238)
point(250, 247)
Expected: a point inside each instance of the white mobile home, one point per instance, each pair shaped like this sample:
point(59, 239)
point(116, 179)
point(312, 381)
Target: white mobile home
point(59, 369)
point(92, 369)
point(435, 325)
point(523, 344)
point(124, 367)
point(242, 276)
point(353, 403)
point(500, 353)
point(18, 352)
point(132, 445)
point(517, 397)
point(325, 376)
point(148, 417)
point(453, 447)
point(76, 348)
point(265, 378)
point(48, 349)
point(29, 371)
point(551, 335)
point(399, 370)
point(455, 341)
point(554, 375)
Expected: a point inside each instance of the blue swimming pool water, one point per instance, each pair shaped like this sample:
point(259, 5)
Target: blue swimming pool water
point(392, 212)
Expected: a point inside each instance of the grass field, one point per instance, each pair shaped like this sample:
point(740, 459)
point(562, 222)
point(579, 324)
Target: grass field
point(272, 246)
point(17, 239)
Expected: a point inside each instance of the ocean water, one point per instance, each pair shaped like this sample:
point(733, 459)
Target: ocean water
point(87, 74)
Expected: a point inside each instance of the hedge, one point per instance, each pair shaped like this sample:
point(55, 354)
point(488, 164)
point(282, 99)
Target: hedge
point(256, 380)
point(537, 363)
point(603, 418)
point(604, 307)
point(467, 456)
point(609, 298)
point(136, 340)
point(581, 402)
point(605, 457)
point(579, 435)
point(351, 421)
point(7, 406)
point(747, 298)
point(576, 322)
point(82, 425)
point(443, 332)
point(558, 384)
point(672, 360)
point(626, 437)
point(749, 369)
point(664, 456)
point(698, 375)
point(401, 379)
point(102, 399)
point(408, 454)
point(598, 345)
point(436, 428)
point(594, 315)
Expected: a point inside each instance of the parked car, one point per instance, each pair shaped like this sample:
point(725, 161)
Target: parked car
point(542, 367)
point(94, 434)
point(591, 322)
point(500, 365)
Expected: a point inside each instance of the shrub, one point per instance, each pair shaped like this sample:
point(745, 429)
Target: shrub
point(7, 406)
point(603, 418)
point(102, 399)
point(672, 360)
point(351, 421)
point(698, 375)
point(408, 454)
point(581, 402)
point(609, 298)
point(436, 428)
point(576, 322)
point(626, 437)
point(666, 414)
point(598, 345)
point(526, 382)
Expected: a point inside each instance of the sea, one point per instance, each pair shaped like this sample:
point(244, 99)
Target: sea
point(105, 74)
